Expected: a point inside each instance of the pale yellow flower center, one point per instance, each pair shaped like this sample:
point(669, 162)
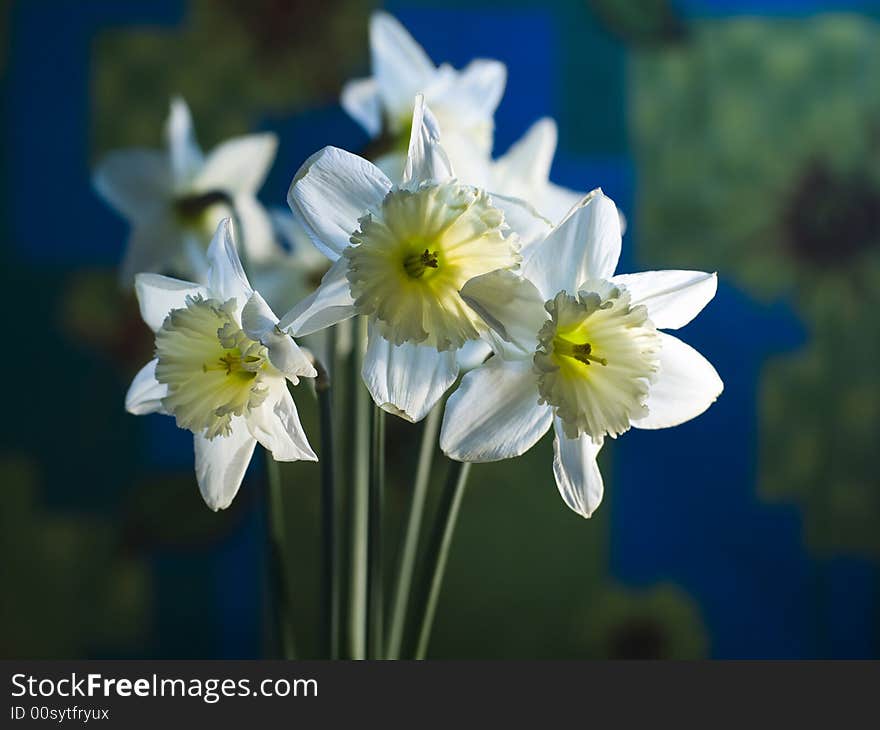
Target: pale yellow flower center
point(213, 370)
point(408, 262)
point(596, 358)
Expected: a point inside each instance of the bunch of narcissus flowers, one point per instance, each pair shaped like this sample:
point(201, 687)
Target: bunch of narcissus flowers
point(453, 260)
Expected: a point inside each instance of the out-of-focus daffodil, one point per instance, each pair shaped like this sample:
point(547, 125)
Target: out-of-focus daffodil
point(463, 102)
point(174, 198)
point(221, 369)
point(524, 172)
point(580, 349)
point(400, 256)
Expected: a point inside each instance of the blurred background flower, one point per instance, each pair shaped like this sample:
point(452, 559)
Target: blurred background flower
point(735, 136)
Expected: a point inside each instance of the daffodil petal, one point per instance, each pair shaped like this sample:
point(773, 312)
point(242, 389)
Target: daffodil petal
point(331, 191)
point(510, 305)
point(238, 165)
point(529, 159)
point(186, 155)
point(152, 244)
point(226, 277)
point(136, 182)
point(473, 354)
point(407, 380)
point(157, 295)
point(360, 99)
point(524, 219)
point(258, 235)
point(494, 413)
point(686, 385)
point(260, 323)
point(400, 65)
point(276, 426)
point(475, 92)
point(330, 303)
point(145, 393)
point(555, 202)
point(221, 463)
point(587, 241)
point(673, 298)
point(426, 159)
point(577, 473)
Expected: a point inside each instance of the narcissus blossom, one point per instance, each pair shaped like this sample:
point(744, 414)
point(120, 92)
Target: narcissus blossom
point(174, 198)
point(581, 349)
point(221, 369)
point(463, 102)
point(400, 256)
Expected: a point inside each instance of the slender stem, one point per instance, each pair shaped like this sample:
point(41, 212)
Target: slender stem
point(278, 567)
point(409, 547)
point(358, 497)
point(375, 608)
point(329, 517)
point(438, 550)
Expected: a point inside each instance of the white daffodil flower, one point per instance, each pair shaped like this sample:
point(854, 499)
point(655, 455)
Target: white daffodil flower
point(463, 102)
point(400, 256)
point(524, 172)
point(580, 349)
point(175, 198)
point(221, 369)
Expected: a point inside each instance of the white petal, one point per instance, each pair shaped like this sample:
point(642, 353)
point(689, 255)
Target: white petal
point(330, 303)
point(556, 202)
point(258, 235)
point(226, 277)
point(137, 183)
point(152, 246)
point(473, 354)
point(145, 393)
point(426, 159)
point(238, 165)
point(586, 245)
point(221, 464)
point(330, 192)
point(528, 161)
point(276, 425)
point(494, 413)
point(260, 323)
point(360, 98)
point(577, 473)
point(475, 92)
point(407, 380)
point(158, 295)
point(686, 385)
point(186, 156)
point(510, 305)
point(303, 253)
point(523, 219)
point(400, 65)
point(673, 298)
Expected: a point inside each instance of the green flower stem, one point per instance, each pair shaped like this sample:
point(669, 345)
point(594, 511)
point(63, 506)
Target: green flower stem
point(375, 608)
point(279, 570)
point(409, 548)
point(358, 482)
point(329, 517)
point(438, 550)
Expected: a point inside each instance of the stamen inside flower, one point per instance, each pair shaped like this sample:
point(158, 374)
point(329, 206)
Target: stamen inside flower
point(409, 260)
point(597, 327)
point(213, 370)
point(416, 264)
point(582, 352)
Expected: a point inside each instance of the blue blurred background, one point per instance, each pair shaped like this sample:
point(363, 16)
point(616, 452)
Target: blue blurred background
point(742, 137)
